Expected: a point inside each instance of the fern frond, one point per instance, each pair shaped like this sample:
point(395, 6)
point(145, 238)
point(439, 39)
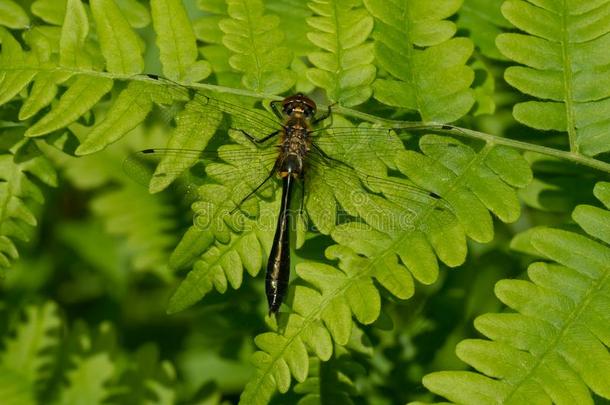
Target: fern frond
point(470, 182)
point(20, 195)
point(344, 68)
point(148, 224)
point(72, 60)
point(87, 382)
point(256, 42)
point(566, 66)
point(29, 352)
point(238, 246)
point(207, 29)
point(434, 81)
point(14, 389)
point(555, 347)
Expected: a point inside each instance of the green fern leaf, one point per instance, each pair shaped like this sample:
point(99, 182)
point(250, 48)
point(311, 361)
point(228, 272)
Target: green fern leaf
point(344, 67)
point(12, 15)
point(13, 80)
point(434, 81)
point(564, 50)
point(128, 110)
point(120, 44)
point(177, 42)
point(80, 97)
point(136, 13)
point(20, 195)
point(218, 264)
point(72, 52)
point(50, 11)
point(29, 353)
point(42, 93)
point(555, 348)
point(470, 183)
point(255, 40)
point(151, 376)
point(15, 389)
point(478, 182)
point(147, 223)
point(286, 353)
point(207, 29)
point(196, 125)
point(293, 22)
point(87, 381)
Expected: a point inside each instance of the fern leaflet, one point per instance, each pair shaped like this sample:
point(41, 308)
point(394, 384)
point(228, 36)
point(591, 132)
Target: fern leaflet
point(12, 15)
point(255, 40)
point(30, 352)
point(20, 195)
point(566, 65)
point(177, 43)
point(344, 67)
point(433, 81)
point(555, 347)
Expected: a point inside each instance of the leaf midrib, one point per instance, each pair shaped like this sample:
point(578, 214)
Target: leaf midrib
point(568, 80)
point(572, 318)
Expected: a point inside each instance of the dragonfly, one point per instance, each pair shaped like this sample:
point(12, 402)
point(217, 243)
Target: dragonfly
point(292, 144)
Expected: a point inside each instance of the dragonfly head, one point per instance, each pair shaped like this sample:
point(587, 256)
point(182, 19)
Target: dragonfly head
point(299, 104)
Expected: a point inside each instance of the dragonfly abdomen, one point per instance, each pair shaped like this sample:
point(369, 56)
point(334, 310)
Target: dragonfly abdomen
point(278, 267)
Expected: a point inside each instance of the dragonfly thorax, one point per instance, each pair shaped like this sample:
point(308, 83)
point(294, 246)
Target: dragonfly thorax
point(293, 150)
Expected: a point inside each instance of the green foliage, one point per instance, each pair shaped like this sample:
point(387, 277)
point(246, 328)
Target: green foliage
point(21, 166)
point(484, 22)
point(255, 41)
point(92, 373)
point(176, 42)
point(434, 81)
point(564, 50)
point(554, 348)
point(372, 311)
point(343, 66)
point(12, 15)
point(28, 354)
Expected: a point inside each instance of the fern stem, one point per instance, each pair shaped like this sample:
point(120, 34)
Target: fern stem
point(487, 138)
point(469, 133)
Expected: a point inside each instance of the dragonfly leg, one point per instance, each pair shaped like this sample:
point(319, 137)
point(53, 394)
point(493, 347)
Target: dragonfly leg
point(326, 156)
point(277, 110)
point(251, 193)
point(257, 140)
point(324, 116)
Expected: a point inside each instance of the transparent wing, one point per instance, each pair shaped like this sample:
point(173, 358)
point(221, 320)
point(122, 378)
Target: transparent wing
point(252, 120)
point(143, 166)
point(400, 190)
point(359, 152)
